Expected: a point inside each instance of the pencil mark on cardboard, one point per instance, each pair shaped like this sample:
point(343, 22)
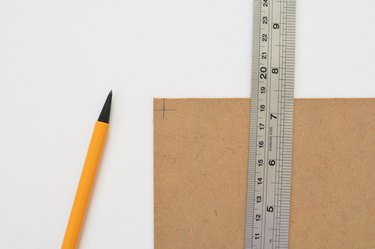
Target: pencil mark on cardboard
point(164, 109)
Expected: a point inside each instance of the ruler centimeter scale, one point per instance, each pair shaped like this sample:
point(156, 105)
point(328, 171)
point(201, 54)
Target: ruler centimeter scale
point(270, 154)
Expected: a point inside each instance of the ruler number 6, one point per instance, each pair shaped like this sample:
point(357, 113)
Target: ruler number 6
point(271, 162)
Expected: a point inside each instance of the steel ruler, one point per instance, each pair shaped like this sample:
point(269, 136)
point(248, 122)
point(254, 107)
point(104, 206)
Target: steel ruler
point(270, 155)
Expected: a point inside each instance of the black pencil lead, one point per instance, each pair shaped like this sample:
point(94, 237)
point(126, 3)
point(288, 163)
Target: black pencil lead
point(106, 111)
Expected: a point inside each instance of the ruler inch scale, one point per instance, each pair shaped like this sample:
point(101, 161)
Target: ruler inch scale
point(271, 125)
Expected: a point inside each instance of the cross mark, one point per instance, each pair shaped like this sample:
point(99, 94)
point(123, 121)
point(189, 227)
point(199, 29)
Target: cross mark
point(164, 109)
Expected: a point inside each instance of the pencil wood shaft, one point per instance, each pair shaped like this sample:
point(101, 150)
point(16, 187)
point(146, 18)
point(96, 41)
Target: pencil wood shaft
point(85, 187)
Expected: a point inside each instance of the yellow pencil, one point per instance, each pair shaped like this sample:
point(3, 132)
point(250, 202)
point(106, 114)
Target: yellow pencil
point(86, 183)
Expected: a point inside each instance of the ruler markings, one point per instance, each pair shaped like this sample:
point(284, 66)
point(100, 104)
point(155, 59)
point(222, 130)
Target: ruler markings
point(270, 154)
point(266, 148)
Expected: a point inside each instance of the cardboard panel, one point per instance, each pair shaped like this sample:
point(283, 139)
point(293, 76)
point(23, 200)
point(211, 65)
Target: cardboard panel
point(200, 169)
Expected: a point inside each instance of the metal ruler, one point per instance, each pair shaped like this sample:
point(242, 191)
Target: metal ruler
point(270, 158)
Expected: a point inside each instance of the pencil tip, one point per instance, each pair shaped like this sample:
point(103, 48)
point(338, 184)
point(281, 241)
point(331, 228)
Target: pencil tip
point(106, 111)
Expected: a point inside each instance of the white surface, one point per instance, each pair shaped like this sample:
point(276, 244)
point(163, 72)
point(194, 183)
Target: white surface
point(58, 60)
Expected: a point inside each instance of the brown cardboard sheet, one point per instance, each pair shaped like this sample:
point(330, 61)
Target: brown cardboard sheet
point(200, 173)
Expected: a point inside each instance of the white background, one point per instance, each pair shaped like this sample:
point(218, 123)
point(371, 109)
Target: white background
point(59, 59)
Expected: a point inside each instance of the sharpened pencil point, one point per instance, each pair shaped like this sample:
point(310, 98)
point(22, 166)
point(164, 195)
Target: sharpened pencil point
point(106, 111)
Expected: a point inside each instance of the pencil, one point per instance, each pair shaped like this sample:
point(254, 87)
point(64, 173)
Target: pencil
point(86, 182)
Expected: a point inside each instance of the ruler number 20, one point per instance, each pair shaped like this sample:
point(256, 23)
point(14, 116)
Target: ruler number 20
point(263, 73)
